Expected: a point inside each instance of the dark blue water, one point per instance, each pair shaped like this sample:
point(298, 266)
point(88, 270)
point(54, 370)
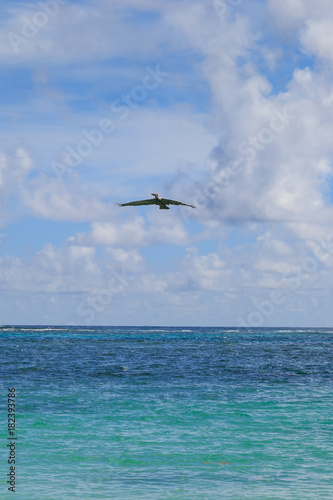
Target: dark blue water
point(169, 413)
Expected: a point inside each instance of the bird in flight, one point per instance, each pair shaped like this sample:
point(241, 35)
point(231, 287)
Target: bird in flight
point(162, 202)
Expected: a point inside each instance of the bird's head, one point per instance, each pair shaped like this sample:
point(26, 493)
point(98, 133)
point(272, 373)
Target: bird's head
point(155, 194)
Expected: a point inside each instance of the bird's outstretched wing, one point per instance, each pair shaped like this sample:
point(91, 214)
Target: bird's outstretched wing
point(140, 202)
point(174, 202)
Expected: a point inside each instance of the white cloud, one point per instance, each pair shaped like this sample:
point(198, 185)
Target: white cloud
point(48, 198)
point(72, 269)
point(134, 231)
point(80, 32)
point(281, 145)
point(317, 38)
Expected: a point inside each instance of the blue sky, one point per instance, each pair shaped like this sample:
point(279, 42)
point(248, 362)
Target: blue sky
point(225, 106)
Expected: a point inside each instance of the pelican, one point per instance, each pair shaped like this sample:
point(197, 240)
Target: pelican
point(157, 200)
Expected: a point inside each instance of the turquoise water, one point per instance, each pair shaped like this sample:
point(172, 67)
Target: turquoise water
point(168, 413)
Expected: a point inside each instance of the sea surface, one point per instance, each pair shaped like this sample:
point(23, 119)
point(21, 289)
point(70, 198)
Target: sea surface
point(138, 413)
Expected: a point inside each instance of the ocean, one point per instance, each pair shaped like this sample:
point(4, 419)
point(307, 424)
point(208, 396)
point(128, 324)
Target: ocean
point(138, 413)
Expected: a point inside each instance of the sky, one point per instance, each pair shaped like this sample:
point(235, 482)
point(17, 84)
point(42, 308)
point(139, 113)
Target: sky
point(223, 104)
